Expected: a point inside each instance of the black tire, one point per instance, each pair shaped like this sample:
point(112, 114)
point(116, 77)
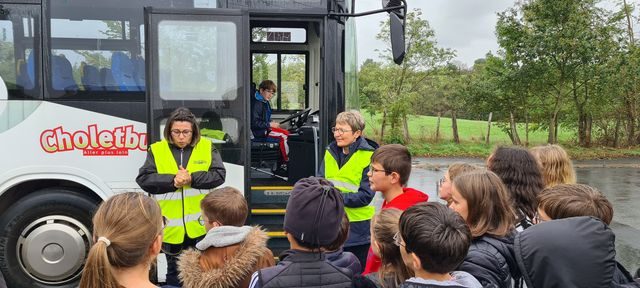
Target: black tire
point(68, 218)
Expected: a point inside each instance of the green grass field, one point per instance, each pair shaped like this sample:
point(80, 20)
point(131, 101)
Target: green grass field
point(422, 130)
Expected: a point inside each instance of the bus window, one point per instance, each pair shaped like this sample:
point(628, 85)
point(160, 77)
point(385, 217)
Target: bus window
point(291, 67)
point(89, 29)
point(197, 60)
point(292, 82)
point(19, 36)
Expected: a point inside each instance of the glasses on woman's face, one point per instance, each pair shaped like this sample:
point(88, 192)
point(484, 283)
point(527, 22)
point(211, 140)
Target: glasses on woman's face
point(398, 240)
point(177, 132)
point(339, 131)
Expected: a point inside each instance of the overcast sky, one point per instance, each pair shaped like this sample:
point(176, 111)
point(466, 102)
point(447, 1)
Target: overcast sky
point(466, 26)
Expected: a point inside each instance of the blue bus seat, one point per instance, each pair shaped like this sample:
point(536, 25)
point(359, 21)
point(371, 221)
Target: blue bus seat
point(62, 74)
point(122, 71)
point(22, 77)
point(107, 80)
point(90, 77)
point(139, 72)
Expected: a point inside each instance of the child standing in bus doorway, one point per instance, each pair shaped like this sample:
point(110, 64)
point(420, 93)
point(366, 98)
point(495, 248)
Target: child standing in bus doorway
point(127, 231)
point(179, 171)
point(346, 164)
point(261, 124)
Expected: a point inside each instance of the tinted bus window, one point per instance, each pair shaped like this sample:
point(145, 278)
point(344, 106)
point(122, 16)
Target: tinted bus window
point(197, 60)
point(19, 38)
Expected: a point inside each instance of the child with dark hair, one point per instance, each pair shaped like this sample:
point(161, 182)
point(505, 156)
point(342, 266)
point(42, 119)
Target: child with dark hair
point(230, 252)
point(434, 240)
point(336, 254)
point(388, 174)
point(520, 173)
point(312, 221)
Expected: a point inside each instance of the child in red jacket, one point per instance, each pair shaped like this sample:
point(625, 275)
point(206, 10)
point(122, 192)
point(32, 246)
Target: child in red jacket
point(388, 174)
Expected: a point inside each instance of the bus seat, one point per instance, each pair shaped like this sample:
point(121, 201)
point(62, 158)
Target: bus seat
point(139, 72)
point(265, 152)
point(107, 80)
point(22, 77)
point(62, 74)
point(90, 77)
point(122, 71)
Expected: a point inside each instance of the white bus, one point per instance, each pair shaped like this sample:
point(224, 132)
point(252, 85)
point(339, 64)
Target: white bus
point(89, 84)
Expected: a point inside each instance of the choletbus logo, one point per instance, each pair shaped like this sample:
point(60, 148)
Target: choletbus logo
point(94, 142)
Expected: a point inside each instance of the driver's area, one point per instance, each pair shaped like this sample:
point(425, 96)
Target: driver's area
point(285, 53)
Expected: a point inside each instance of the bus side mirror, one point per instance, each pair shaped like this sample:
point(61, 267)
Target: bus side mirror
point(397, 21)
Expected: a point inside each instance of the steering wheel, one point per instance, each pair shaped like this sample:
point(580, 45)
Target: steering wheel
point(296, 120)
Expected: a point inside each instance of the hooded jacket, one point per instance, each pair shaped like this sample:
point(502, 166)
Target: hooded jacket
point(567, 253)
point(408, 198)
point(491, 261)
point(342, 259)
point(359, 232)
point(229, 257)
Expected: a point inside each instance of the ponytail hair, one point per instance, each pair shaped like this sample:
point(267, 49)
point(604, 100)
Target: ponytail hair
point(124, 228)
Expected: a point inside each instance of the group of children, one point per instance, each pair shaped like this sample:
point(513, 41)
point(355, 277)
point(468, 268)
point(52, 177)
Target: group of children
point(494, 231)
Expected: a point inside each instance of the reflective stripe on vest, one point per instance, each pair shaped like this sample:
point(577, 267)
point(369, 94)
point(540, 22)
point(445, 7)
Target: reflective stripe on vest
point(347, 179)
point(182, 207)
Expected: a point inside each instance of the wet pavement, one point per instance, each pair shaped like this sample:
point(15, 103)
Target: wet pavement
point(618, 179)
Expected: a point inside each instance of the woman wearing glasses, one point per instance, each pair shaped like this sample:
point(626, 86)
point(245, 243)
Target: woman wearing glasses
point(346, 164)
point(179, 171)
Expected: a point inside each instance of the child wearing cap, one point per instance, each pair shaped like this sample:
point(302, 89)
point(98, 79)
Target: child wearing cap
point(312, 220)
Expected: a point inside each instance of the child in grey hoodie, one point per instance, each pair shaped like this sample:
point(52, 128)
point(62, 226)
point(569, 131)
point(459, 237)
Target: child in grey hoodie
point(433, 241)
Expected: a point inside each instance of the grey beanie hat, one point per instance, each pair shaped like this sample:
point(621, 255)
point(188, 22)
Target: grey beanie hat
point(314, 212)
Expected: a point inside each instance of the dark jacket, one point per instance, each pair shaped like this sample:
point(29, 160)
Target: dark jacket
point(228, 266)
point(347, 260)
point(359, 232)
point(458, 280)
point(154, 183)
point(372, 280)
point(570, 252)
point(491, 260)
point(304, 269)
point(260, 116)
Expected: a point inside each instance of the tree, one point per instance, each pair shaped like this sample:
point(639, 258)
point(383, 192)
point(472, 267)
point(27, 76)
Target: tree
point(557, 39)
point(402, 83)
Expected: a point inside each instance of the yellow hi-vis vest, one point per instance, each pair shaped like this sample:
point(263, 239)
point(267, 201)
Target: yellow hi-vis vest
point(347, 180)
point(182, 207)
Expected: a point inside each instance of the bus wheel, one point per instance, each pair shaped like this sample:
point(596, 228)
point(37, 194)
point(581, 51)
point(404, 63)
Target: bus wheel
point(45, 238)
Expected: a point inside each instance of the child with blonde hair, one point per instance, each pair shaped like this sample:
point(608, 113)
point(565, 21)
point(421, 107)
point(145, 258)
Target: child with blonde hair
point(127, 232)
